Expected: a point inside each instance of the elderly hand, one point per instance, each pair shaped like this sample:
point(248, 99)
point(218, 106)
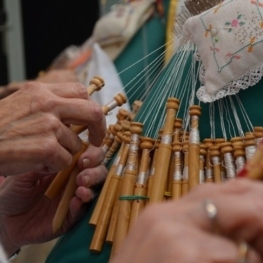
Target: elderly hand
point(185, 231)
point(34, 127)
point(58, 75)
point(26, 214)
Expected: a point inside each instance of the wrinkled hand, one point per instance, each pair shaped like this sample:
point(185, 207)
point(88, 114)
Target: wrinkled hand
point(51, 76)
point(26, 214)
point(182, 232)
point(58, 75)
point(34, 132)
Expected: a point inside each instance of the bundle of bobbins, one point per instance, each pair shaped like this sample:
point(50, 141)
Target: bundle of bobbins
point(67, 178)
point(149, 170)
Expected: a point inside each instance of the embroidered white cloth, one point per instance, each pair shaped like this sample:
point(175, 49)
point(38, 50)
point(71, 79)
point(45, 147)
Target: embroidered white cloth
point(229, 40)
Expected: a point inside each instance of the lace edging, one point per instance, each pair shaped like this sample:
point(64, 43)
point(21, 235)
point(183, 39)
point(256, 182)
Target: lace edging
point(250, 78)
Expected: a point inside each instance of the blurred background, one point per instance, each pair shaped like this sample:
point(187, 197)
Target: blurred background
point(33, 33)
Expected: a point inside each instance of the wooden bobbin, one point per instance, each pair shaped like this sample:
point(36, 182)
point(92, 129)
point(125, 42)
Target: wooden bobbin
point(177, 128)
point(164, 153)
point(218, 142)
point(95, 214)
point(250, 145)
point(176, 138)
point(239, 154)
point(177, 175)
point(184, 136)
point(253, 168)
point(113, 149)
point(61, 178)
point(194, 148)
point(63, 207)
point(62, 210)
point(118, 100)
point(227, 150)
point(114, 215)
point(127, 187)
point(108, 202)
point(185, 186)
point(123, 115)
point(209, 171)
point(95, 84)
point(141, 183)
point(110, 138)
point(258, 133)
point(202, 161)
point(135, 107)
point(215, 155)
point(152, 170)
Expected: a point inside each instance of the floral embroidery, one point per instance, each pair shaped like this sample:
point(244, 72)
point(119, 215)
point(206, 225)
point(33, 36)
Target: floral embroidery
point(236, 22)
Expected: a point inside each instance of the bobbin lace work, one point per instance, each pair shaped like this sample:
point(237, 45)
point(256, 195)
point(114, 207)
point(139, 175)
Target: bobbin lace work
point(250, 78)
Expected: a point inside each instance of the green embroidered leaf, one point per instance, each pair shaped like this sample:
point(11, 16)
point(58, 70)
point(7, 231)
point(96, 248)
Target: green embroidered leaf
point(227, 23)
point(242, 23)
point(216, 39)
point(239, 16)
point(229, 30)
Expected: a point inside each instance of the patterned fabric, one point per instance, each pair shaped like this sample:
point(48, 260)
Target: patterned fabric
point(229, 43)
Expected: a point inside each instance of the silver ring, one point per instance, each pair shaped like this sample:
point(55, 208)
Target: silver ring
point(211, 212)
point(243, 249)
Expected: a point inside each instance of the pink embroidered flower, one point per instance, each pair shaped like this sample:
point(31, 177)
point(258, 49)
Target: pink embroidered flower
point(235, 23)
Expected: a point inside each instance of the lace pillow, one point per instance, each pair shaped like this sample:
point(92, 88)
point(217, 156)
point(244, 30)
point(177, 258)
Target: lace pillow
point(229, 40)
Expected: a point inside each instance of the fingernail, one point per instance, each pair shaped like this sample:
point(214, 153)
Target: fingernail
point(87, 181)
point(85, 163)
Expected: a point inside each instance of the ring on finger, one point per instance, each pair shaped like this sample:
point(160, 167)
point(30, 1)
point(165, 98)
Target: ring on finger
point(243, 250)
point(211, 212)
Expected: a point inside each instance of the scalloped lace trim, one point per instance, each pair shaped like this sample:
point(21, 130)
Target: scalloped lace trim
point(250, 78)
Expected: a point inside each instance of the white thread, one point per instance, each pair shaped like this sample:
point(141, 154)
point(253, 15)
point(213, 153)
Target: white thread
point(142, 177)
point(185, 173)
point(215, 160)
point(177, 176)
point(250, 151)
point(230, 167)
point(240, 163)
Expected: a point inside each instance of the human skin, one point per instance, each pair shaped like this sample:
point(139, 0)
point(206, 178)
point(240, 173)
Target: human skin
point(51, 76)
point(34, 127)
point(26, 214)
point(180, 231)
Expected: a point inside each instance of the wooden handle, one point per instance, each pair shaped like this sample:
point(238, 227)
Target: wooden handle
point(107, 205)
point(164, 153)
point(63, 207)
point(62, 177)
point(95, 214)
point(127, 187)
point(194, 148)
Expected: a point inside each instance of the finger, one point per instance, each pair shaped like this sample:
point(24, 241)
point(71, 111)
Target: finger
point(238, 204)
point(92, 157)
point(76, 211)
point(183, 242)
point(91, 177)
point(68, 139)
point(86, 113)
point(85, 194)
point(69, 90)
point(207, 247)
point(47, 157)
